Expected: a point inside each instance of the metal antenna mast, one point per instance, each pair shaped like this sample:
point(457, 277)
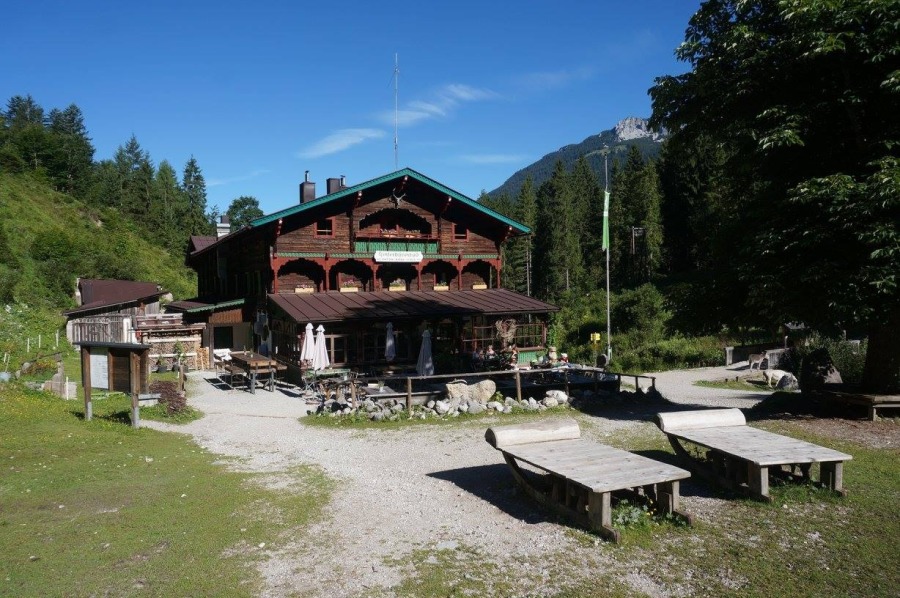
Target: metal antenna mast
point(396, 111)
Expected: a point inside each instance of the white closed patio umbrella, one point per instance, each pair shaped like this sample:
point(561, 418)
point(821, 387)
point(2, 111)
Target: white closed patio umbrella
point(425, 365)
point(309, 344)
point(390, 348)
point(320, 359)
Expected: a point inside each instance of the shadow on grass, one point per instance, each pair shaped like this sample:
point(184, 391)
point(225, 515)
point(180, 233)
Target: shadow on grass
point(802, 406)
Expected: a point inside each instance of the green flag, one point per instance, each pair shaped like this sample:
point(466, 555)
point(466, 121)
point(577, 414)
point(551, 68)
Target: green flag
point(605, 245)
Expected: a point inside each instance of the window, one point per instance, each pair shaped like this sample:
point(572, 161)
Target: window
point(325, 228)
point(460, 232)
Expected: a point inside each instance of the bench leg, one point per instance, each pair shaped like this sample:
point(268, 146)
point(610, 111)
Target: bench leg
point(832, 475)
point(758, 478)
point(667, 496)
point(600, 515)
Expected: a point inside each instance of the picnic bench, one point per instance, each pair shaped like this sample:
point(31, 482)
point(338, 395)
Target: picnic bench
point(254, 366)
point(740, 457)
point(580, 476)
point(872, 402)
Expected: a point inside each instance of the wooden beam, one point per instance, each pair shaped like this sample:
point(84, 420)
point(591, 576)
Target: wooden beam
point(86, 381)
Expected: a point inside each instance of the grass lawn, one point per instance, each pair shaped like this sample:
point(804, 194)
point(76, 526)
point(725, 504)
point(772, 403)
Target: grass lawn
point(99, 508)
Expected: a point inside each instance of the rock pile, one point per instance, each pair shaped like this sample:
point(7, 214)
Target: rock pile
point(460, 398)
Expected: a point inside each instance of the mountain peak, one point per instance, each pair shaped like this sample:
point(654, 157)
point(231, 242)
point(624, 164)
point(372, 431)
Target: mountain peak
point(636, 128)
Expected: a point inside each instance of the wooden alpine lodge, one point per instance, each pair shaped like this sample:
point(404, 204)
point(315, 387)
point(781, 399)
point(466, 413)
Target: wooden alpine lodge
point(401, 249)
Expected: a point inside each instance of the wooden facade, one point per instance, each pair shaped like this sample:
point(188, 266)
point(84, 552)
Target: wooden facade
point(399, 233)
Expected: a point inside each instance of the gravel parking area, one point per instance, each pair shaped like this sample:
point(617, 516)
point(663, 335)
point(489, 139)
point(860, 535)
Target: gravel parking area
point(421, 488)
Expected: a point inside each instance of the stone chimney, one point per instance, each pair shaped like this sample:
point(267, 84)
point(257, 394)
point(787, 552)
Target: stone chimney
point(223, 227)
point(307, 189)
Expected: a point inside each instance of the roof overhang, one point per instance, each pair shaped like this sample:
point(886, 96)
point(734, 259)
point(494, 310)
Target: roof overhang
point(379, 306)
point(192, 306)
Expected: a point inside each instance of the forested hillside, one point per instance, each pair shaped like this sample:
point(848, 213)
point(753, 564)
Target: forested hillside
point(591, 149)
point(48, 238)
point(63, 215)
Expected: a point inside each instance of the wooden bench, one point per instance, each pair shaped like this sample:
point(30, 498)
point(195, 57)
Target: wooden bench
point(872, 402)
point(582, 475)
point(740, 457)
point(233, 371)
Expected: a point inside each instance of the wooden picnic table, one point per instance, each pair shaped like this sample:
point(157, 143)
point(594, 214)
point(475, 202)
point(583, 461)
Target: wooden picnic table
point(583, 475)
point(740, 457)
point(254, 365)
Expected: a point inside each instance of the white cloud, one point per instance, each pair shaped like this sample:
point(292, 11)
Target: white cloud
point(492, 158)
point(545, 80)
point(339, 141)
point(236, 179)
point(439, 104)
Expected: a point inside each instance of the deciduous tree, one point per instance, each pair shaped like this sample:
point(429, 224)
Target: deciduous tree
point(802, 97)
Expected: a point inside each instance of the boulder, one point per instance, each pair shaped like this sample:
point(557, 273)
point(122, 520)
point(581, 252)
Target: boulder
point(475, 408)
point(550, 402)
point(458, 391)
point(559, 395)
point(483, 391)
point(788, 382)
point(495, 405)
point(441, 407)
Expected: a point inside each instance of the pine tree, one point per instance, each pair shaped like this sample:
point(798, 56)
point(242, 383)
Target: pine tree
point(194, 187)
point(74, 156)
point(589, 212)
point(635, 222)
point(168, 209)
point(526, 213)
point(558, 257)
point(135, 171)
point(22, 112)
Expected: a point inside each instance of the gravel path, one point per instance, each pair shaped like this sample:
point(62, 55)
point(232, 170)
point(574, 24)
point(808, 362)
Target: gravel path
point(398, 491)
point(678, 387)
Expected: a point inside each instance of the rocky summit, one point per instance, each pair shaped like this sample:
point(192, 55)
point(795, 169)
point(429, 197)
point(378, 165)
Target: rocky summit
point(636, 128)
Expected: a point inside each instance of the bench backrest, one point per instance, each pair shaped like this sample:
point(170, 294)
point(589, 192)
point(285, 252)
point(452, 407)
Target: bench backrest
point(538, 431)
point(695, 420)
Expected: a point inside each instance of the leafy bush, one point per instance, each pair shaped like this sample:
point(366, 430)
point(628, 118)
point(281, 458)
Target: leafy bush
point(632, 354)
point(847, 357)
point(641, 312)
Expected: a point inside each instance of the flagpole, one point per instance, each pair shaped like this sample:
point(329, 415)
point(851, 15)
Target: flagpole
point(606, 242)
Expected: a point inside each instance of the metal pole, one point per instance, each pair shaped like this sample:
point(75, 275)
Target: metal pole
point(608, 321)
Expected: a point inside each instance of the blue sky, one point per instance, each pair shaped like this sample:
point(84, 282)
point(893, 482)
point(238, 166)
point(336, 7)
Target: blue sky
point(260, 92)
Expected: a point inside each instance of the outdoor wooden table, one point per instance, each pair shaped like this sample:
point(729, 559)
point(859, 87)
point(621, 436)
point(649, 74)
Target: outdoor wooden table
point(583, 475)
point(255, 364)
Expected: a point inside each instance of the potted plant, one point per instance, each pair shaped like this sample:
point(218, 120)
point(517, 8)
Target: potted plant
point(178, 349)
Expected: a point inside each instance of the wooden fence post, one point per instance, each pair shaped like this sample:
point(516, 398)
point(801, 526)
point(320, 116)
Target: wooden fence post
point(409, 394)
point(518, 386)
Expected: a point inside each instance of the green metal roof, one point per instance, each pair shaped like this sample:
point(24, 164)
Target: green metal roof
point(192, 306)
point(383, 179)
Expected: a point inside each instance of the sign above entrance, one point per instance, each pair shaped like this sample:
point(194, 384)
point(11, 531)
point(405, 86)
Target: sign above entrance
point(410, 257)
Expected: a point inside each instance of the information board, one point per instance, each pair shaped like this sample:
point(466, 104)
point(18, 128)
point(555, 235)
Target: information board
point(100, 367)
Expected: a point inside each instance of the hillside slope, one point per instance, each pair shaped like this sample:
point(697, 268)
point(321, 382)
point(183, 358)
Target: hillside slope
point(628, 132)
point(47, 239)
